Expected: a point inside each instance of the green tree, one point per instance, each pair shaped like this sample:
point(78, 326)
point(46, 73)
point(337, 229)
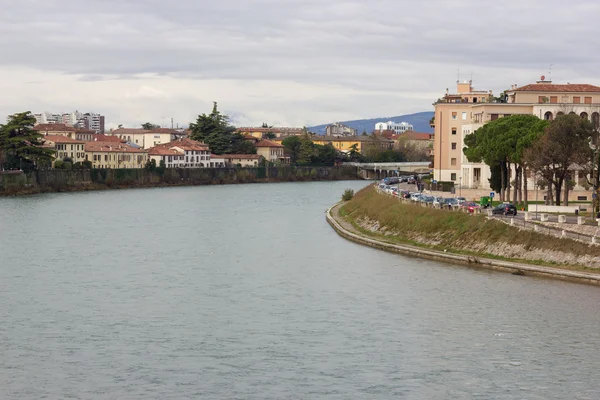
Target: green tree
point(292, 145)
point(20, 145)
point(239, 145)
point(564, 143)
point(214, 130)
point(150, 165)
point(270, 135)
point(149, 126)
point(503, 142)
point(324, 155)
point(354, 154)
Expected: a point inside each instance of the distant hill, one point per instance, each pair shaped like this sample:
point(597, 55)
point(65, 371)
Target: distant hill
point(420, 122)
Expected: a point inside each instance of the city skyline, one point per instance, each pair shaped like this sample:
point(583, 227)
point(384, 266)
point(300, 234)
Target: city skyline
point(300, 63)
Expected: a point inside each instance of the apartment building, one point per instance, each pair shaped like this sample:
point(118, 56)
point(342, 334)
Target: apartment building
point(272, 151)
point(181, 153)
point(65, 147)
point(147, 139)
point(457, 115)
point(115, 155)
point(338, 129)
point(91, 121)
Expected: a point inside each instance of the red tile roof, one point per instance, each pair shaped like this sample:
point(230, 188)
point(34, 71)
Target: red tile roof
point(267, 143)
point(410, 135)
point(550, 87)
point(184, 144)
point(99, 137)
point(128, 131)
point(61, 139)
point(163, 151)
point(54, 128)
point(111, 147)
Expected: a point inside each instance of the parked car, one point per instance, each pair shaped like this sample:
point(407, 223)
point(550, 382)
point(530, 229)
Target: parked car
point(415, 196)
point(461, 200)
point(438, 201)
point(426, 199)
point(470, 206)
point(505, 209)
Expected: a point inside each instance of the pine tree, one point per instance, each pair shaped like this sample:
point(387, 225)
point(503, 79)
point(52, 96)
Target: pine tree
point(21, 146)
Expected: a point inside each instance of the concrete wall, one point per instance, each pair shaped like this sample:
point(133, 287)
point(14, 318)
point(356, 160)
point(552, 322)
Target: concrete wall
point(74, 180)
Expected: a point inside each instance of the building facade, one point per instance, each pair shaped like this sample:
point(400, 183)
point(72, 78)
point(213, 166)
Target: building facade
point(65, 147)
point(115, 155)
point(458, 115)
point(92, 121)
point(181, 153)
point(272, 151)
point(398, 127)
point(260, 132)
point(340, 130)
point(147, 139)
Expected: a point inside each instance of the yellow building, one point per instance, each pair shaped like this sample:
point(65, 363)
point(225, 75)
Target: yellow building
point(232, 160)
point(344, 144)
point(65, 147)
point(65, 130)
point(114, 155)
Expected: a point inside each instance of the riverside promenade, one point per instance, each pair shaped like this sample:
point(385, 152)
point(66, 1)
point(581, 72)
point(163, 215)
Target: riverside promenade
point(348, 231)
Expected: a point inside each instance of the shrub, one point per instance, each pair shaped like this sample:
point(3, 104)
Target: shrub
point(348, 195)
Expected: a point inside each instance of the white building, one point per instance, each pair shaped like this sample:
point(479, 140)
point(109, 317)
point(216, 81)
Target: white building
point(398, 128)
point(181, 153)
point(92, 121)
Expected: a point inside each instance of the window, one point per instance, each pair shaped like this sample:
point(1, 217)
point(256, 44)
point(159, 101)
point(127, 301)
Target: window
point(588, 100)
point(453, 115)
point(454, 131)
point(554, 99)
point(576, 99)
point(453, 161)
point(493, 117)
point(452, 176)
point(464, 116)
point(453, 145)
point(541, 99)
point(581, 198)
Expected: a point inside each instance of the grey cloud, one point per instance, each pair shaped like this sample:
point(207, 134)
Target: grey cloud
point(377, 47)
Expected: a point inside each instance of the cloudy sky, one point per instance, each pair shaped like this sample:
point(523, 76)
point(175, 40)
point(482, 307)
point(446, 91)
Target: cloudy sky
point(285, 62)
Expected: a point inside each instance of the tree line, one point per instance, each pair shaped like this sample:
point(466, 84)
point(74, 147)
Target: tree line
point(547, 151)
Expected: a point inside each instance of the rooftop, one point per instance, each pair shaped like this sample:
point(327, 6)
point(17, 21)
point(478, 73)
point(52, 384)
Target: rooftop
point(111, 147)
point(563, 88)
point(267, 143)
point(54, 128)
point(61, 139)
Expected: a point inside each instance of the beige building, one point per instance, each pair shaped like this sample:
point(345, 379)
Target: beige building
point(244, 160)
point(115, 155)
point(65, 147)
point(181, 153)
point(260, 132)
point(147, 139)
point(457, 115)
point(272, 151)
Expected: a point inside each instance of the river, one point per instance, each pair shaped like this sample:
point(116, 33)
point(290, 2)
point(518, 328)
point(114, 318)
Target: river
point(245, 292)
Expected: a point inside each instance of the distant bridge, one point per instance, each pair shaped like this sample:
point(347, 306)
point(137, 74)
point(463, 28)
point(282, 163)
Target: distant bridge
point(382, 170)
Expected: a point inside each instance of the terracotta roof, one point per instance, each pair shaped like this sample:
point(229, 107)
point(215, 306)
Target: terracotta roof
point(99, 137)
point(111, 147)
point(565, 88)
point(267, 143)
point(417, 135)
point(54, 128)
point(164, 130)
point(84, 130)
point(183, 143)
point(250, 137)
point(385, 133)
point(163, 151)
point(61, 139)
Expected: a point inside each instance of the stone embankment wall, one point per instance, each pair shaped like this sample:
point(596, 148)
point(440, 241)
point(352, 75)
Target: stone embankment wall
point(14, 183)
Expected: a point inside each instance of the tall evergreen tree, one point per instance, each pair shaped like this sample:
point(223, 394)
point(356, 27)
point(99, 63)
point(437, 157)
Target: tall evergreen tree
point(214, 130)
point(21, 145)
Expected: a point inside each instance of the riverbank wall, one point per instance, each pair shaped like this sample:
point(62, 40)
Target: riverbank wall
point(20, 183)
point(347, 231)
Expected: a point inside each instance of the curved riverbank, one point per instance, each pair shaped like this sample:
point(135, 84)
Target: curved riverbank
point(348, 231)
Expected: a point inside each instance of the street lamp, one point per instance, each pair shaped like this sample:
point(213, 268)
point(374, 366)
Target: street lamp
point(460, 187)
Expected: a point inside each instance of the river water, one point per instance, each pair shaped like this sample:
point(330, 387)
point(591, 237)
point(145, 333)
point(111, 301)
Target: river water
point(245, 292)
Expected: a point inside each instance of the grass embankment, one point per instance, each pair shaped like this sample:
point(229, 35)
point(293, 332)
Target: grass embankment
point(387, 218)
